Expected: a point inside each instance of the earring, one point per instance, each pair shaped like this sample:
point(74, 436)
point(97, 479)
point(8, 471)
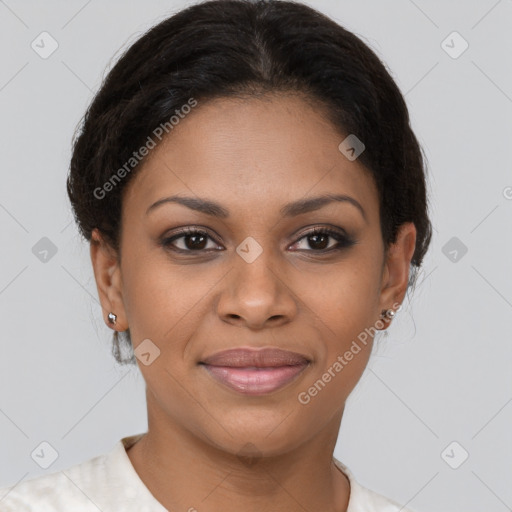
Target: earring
point(112, 318)
point(387, 314)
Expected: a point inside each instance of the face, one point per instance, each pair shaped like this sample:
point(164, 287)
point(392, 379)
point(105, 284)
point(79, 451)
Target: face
point(263, 267)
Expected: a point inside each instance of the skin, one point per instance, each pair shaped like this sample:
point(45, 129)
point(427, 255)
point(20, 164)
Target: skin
point(252, 156)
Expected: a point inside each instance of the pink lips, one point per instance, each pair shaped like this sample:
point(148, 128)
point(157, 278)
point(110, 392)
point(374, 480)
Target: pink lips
point(255, 372)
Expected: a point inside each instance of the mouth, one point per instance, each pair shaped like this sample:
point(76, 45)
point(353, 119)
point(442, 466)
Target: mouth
point(255, 372)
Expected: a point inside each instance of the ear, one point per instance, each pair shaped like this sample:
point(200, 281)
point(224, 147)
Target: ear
point(395, 276)
point(107, 273)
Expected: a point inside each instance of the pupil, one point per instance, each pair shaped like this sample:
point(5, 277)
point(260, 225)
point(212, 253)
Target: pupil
point(195, 244)
point(316, 237)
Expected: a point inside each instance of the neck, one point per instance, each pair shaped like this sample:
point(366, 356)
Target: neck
point(185, 471)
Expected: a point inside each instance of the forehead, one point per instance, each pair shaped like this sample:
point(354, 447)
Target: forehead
point(251, 154)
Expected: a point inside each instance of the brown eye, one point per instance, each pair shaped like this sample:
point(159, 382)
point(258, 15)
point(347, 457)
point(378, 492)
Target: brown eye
point(190, 240)
point(320, 240)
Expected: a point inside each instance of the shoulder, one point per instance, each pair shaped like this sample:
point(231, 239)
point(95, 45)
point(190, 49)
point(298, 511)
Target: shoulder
point(56, 491)
point(363, 499)
point(100, 483)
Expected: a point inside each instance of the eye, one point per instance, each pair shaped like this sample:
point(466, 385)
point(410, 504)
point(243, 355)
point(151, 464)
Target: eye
point(193, 240)
point(196, 240)
point(318, 240)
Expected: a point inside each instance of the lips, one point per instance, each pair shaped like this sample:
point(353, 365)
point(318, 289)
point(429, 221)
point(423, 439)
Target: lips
point(255, 371)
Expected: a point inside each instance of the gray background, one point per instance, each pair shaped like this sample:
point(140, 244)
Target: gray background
point(444, 372)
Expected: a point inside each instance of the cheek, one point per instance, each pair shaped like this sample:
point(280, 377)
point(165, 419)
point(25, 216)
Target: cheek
point(344, 309)
point(345, 299)
point(168, 305)
point(343, 353)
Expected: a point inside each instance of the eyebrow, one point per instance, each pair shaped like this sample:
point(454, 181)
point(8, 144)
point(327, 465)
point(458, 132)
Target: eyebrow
point(293, 209)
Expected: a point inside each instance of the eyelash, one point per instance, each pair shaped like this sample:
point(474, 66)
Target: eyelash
point(343, 240)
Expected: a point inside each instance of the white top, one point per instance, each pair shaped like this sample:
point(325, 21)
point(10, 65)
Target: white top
point(109, 483)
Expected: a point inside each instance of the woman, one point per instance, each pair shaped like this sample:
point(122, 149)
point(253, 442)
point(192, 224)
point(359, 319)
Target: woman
point(255, 202)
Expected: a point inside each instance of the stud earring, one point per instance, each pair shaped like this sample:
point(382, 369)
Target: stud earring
point(387, 314)
point(112, 318)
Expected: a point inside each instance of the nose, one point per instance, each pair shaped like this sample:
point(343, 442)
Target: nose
point(257, 294)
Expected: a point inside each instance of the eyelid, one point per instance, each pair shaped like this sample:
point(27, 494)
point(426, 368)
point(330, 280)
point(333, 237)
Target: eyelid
point(312, 228)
